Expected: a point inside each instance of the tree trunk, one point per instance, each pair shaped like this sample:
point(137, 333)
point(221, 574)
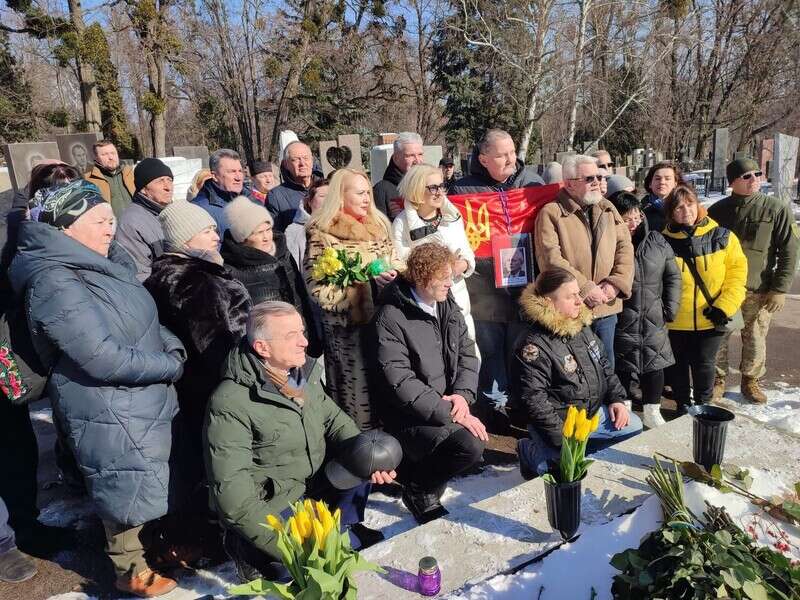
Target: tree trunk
point(89, 97)
point(577, 72)
point(532, 102)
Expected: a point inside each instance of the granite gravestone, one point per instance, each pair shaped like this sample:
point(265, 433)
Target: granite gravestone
point(346, 153)
point(784, 165)
point(765, 155)
point(76, 149)
point(21, 158)
point(719, 159)
point(190, 152)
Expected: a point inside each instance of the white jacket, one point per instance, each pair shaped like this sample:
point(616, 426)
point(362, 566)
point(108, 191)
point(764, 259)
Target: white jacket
point(450, 234)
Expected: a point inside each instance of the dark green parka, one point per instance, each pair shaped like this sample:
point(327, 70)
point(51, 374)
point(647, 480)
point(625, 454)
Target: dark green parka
point(262, 447)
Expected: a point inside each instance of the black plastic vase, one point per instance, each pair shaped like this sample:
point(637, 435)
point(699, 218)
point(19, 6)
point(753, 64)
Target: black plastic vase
point(564, 507)
point(709, 428)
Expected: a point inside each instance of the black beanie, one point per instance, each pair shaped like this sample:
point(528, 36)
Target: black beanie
point(740, 166)
point(148, 170)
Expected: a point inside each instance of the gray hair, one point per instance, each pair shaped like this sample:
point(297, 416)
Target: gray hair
point(569, 168)
point(406, 137)
point(490, 138)
point(218, 155)
point(260, 315)
point(598, 153)
point(294, 143)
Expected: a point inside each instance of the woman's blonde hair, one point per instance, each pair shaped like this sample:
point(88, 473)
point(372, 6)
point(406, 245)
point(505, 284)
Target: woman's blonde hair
point(334, 202)
point(412, 185)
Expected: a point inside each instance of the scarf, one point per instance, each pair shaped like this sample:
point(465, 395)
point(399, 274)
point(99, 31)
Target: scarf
point(280, 379)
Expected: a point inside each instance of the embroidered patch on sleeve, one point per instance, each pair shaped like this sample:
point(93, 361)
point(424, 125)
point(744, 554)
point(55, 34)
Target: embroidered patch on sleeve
point(530, 353)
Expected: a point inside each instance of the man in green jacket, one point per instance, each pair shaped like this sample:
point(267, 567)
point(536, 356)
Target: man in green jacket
point(769, 236)
point(266, 433)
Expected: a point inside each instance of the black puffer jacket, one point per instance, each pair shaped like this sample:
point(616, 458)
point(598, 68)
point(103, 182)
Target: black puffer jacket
point(269, 277)
point(387, 198)
point(419, 359)
point(559, 362)
point(641, 344)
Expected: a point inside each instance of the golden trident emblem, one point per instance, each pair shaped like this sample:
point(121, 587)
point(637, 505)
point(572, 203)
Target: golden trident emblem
point(477, 233)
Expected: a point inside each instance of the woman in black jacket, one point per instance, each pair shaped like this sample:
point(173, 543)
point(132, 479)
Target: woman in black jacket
point(559, 362)
point(256, 255)
point(641, 342)
point(426, 376)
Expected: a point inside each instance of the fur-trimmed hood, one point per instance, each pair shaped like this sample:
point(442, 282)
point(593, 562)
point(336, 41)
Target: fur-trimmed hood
point(541, 310)
point(345, 227)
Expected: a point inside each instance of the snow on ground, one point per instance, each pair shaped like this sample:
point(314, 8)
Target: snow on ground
point(593, 550)
point(782, 411)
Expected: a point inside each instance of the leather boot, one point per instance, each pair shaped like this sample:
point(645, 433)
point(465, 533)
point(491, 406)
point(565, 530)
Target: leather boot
point(752, 392)
point(424, 505)
point(719, 389)
point(147, 584)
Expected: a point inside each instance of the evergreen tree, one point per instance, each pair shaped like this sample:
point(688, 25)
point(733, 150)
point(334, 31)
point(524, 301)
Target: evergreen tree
point(16, 121)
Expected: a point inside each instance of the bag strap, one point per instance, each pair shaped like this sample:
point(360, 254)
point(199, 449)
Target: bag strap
point(690, 262)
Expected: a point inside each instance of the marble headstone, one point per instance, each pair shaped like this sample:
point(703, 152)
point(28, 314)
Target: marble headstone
point(638, 157)
point(76, 149)
point(183, 172)
point(433, 154)
point(344, 153)
point(719, 158)
point(784, 166)
point(379, 157)
point(200, 152)
point(765, 155)
point(21, 158)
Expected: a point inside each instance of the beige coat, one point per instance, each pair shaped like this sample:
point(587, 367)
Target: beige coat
point(96, 177)
point(562, 239)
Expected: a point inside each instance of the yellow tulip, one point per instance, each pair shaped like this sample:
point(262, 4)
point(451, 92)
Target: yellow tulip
point(322, 509)
point(295, 531)
point(275, 523)
point(569, 422)
point(304, 524)
point(583, 430)
point(337, 516)
point(596, 421)
point(581, 417)
point(309, 507)
point(327, 521)
point(319, 532)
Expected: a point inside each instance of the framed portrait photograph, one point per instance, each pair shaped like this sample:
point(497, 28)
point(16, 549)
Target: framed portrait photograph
point(513, 260)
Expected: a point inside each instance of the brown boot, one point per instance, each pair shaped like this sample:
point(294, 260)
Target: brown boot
point(752, 392)
point(719, 389)
point(146, 584)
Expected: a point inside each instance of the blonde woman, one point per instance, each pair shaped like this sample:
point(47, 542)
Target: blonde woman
point(349, 221)
point(429, 216)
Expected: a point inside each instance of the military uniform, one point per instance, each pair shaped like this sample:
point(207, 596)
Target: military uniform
point(769, 237)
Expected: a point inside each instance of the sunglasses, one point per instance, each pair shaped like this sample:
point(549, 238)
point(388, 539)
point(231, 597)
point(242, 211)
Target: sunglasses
point(610, 165)
point(588, 178)
point(433, 189)
point(753, 174)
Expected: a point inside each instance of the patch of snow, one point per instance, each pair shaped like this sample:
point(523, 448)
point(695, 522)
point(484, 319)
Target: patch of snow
point(782, 410)
point(42, 414)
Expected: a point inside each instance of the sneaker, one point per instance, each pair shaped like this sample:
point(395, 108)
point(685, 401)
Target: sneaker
point(147, 584)
point(15, 567)
point(752, 391)
point(651, 416)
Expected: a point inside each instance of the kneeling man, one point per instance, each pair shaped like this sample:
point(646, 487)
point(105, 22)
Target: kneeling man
point(266, 434)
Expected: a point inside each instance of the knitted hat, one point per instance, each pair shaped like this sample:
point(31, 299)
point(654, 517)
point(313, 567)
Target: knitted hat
point(63, 205)
point(243, 216)
point(148, 170)
point(740, 166)
point(617, 183)
point(181, 221)
point(260, 166)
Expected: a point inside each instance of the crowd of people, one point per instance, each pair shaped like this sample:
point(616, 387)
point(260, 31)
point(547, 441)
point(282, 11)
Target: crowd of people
point(204, 371)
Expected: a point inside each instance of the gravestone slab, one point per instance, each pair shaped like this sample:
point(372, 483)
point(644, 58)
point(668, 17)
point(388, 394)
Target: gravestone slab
point(21, 158)
point(765, 155)
point(505, 531)
point(386, 138)
point(659, 156)
point(432, 155)
point(76, 149)
point(719, 158)
point(650, 158)
point(183, 172)
point(344, 153)
point(638, 157)
point(379, 157)
point(200, 152)
point(784, 166)
point(560, 156)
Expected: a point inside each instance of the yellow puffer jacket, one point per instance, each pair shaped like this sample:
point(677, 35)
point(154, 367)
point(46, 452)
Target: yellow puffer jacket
point(722, 266)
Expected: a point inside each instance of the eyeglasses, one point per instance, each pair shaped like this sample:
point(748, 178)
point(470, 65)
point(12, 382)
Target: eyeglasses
point(588, 178)
point(610, 165)
point(747, 176)
point(436, 188)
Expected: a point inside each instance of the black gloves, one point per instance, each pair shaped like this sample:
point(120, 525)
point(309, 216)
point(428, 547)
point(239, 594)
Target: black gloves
point(716, 316)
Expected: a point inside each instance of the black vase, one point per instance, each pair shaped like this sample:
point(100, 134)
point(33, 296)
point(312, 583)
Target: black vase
point(564, 507)
point(710, 428)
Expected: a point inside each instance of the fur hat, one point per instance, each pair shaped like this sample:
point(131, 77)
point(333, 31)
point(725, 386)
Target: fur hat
point(243, 216)
point(181, 221)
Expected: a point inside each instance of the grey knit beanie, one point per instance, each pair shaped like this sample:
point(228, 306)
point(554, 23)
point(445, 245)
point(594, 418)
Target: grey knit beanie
point(181, 221)
point(617, 183)
point(243, 216)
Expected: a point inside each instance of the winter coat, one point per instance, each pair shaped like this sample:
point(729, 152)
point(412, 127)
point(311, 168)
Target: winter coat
point(557, 363)
point(296, 236)
point(419, 359)
point(284, 200)
point(113, 366)
point(14, 211)
point(641, 344)
point(653, 209)
point(769, 236)
point(213, 199)
point(410, 231)
point(721, 264)
point(387, 198)
point(489, 303)
point(271, 277)
point(261, 447)
point(139, 232)
point(563, 239)
point(207, 309)
point(97, 177)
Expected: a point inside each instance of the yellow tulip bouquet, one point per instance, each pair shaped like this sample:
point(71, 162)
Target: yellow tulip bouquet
point(337, 267)
point(317, 555)
point(573, 464)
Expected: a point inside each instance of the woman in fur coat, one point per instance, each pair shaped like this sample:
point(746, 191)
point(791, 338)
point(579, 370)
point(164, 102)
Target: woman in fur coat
point(201, 303)
point(349, 221)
